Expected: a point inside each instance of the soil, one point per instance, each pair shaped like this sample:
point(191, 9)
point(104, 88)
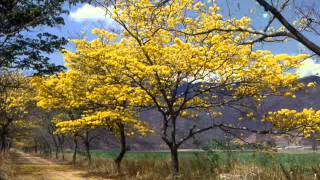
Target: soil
point(30, 167)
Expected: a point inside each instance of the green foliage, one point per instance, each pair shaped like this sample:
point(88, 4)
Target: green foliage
point(21, 48)
point(225, 143)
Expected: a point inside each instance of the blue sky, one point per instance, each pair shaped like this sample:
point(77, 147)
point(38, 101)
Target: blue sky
point(84, 17)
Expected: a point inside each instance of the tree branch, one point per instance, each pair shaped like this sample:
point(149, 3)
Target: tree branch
point(299, 36)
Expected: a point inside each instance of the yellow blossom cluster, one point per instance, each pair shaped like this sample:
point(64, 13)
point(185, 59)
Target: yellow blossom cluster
point(104, 119)
point(101, 104)
point(63, 90)
point(305, 122)
point(16, 96)
point(15, 93)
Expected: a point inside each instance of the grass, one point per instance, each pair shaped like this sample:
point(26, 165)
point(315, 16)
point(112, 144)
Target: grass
point(194, 166)
point(6, 169)
point(298, 158)
point(210, 165)
point(285, 158)
point(139, 155)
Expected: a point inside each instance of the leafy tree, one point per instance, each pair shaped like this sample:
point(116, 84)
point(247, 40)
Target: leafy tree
point(299, 20)
point(20, 46)
point(56, 94)
point(90, 103)
point(15, 95)
point(184, 60)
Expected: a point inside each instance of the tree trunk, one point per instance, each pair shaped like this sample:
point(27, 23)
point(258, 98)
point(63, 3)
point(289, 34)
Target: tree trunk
point(35, 146)
point(4, 134)
point(123, 148)
point(50, 150)
point(74, 157)
point(87, 145)
point(55, 146)
point(314, 142)
point(314, 145)
point(47, 148)
point(174, 161)
point(61, 141)
point(172, 144)
point(57, 152)
point(62, 151)
point(3, 143)
point(174, 151)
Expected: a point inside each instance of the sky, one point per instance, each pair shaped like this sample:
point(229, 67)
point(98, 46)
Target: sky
point(84, 17)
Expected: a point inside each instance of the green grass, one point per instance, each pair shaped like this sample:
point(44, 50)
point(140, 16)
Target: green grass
point(288, 159)
point(208, 165)
point(140, 155)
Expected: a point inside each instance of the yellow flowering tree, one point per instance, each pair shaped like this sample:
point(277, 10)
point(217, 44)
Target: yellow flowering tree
point(15, 96)
point(90, 102)
point(176, 59)
point(60, 93)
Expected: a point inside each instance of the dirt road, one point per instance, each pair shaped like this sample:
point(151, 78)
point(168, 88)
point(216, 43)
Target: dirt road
point(29, 167)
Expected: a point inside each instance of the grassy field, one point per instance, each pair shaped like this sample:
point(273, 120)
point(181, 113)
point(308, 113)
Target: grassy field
point(213, 165)
point(141, 155)
point(292, 158)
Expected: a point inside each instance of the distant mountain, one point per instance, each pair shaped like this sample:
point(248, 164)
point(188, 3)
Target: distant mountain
point(308, 79)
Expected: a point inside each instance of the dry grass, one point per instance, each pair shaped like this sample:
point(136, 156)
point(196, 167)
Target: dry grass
point(6, 169)
point(196, 168)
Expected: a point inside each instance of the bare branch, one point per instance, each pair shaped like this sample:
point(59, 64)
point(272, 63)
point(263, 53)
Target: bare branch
point(299, 36)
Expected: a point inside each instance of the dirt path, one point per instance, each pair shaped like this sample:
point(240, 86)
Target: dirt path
point(29, 167)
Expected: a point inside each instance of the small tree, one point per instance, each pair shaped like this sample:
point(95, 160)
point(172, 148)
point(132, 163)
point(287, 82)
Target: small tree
point(91, 103)
point(15, 95)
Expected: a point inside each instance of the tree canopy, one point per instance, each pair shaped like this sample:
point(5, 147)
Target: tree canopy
point(22, 45)
point(15, 97)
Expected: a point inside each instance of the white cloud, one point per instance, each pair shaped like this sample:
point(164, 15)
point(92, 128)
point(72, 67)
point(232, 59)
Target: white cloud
point(89, 13)
point(309, 67)
point(265, 15)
